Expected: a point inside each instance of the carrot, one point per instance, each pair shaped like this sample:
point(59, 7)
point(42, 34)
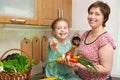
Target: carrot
point(60, 59)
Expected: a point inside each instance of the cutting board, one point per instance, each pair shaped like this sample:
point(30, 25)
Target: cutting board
point(26, 45)
point(44, 44)
point(36, 49)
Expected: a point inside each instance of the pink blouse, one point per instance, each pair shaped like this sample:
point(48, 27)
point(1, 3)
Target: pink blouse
point(90, 52)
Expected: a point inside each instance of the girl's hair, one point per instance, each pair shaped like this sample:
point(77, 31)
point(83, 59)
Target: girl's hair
point(104, 8)
point(56, 21)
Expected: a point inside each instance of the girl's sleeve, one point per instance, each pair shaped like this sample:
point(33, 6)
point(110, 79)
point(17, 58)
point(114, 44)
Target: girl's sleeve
point(48, 54)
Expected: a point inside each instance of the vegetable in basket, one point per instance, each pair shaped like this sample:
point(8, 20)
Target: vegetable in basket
point(1, 67)
point(15, 63)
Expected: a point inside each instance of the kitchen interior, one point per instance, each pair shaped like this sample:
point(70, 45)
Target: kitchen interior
point(28, 27)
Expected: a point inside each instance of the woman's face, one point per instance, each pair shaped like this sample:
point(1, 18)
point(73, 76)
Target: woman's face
point(61, 30)
point(95, 17)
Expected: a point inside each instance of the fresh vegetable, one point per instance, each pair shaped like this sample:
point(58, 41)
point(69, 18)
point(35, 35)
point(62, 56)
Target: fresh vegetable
point(73, 60)
point(1, 67)
point(76, 59)
point(1, 64)
point(69, 53)
point(86, 63)
point(16, 63)
point(60, 59)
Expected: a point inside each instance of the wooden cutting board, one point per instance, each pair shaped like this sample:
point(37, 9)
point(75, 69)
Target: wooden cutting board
point(44, 44)
point(26, 45)
point(36, 49)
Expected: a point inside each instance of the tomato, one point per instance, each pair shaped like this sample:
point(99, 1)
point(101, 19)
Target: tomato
point(73, 60)
point(69, 53)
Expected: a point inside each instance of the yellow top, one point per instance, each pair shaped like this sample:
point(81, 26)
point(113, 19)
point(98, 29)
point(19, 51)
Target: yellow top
point(50, 78)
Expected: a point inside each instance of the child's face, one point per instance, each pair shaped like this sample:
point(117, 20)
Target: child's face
point(61, 30)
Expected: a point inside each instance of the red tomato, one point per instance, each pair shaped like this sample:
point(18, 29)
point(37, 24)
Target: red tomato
point(73, 60)
point(69, 53)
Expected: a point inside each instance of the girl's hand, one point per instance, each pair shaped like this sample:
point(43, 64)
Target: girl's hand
point(54, 45)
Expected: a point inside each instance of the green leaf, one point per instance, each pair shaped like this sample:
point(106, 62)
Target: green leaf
point(17, 64)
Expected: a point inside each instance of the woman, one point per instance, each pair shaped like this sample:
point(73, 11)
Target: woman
point(96, 45)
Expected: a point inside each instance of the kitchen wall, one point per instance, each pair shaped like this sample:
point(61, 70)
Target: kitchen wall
point(10, 37)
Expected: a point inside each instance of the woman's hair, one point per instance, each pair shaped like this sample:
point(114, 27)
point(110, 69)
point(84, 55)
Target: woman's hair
point(104, 8)
point(56, 21)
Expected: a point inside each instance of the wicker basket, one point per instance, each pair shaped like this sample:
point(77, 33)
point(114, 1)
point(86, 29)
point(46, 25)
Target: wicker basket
point(16, 75)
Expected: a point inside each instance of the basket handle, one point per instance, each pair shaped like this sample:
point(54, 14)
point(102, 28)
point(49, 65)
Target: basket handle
point(23, 52)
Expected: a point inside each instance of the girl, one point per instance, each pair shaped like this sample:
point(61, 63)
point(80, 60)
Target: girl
point(59, 43)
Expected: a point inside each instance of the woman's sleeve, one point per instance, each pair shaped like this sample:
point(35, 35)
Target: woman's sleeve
point(106, 40)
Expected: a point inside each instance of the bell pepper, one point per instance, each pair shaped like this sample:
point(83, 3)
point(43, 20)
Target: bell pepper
point(69, 53)
point(73, 60)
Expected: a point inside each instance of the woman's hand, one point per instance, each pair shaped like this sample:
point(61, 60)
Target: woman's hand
point(77, 65)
